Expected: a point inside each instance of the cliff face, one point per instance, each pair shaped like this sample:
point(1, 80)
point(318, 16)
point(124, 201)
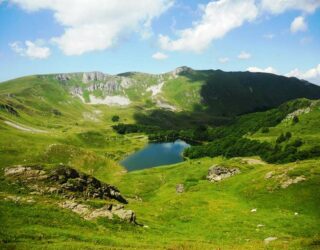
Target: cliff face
point(185, 89)
point(96, 85)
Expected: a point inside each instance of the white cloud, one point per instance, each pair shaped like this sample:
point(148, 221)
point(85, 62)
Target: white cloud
point(98, 24)
point(280, 6)
point(224, 59)
point(312, 74)
point(33, 50)
point(298, 24)
point(266, 70)
point(218, 18)
point(244, 55)
point(159, 56)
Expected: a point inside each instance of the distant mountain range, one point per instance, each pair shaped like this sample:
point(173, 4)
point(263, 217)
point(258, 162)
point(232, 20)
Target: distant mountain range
point(183, 89)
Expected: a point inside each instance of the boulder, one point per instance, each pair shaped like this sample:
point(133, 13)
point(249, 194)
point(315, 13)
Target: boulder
point(269, 239)
point(126, 215)
point(268, 175)
point(286, 183)
point(180, 188)
point(63, 180)
point(103, 212)
point(108, 211)
point(217, 173)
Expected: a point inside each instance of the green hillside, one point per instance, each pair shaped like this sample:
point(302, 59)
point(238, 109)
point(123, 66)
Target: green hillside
point(271, 203)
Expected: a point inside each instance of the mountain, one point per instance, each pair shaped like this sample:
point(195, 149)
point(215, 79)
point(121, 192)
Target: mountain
point(183, 89)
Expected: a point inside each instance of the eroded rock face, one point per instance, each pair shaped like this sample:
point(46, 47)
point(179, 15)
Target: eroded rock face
point(92, 76)
point(108, 211)
point(217, 173)
point(63, 77)
point(180, 70)
point(63, 180)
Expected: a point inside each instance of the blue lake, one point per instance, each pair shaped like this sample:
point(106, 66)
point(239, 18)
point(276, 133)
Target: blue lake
point(155, 154)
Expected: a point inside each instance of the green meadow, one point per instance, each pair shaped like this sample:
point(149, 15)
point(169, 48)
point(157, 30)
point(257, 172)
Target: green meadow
point(52, 127)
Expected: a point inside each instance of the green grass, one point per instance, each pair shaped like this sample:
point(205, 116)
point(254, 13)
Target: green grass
point(183, 93)
point(206, 216)
point(306, 129)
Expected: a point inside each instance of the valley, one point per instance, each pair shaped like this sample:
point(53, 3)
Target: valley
point(249, 180)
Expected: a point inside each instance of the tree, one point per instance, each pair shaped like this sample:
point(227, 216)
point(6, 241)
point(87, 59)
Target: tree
point(115, 118)
point(265, 130)
point(281, 138)
point(288, 135)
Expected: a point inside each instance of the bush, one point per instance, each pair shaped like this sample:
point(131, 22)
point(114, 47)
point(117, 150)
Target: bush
point(115, 118)
point(281, 138)
point(295, 120)
point(265, 130)
point(297, 143)
point(288, 135)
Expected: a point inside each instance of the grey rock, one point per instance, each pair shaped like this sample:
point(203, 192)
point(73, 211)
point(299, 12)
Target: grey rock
point(268, 175)
point(291, 181)
point(63, 180)
point(269, 239)
point(63, 77)
point(180, 188)
point(217, 173)
point(92, 76)
point(108, 211)
point(180, 70)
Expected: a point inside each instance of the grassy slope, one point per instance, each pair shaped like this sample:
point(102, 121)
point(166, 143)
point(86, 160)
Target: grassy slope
point(306, 129)
point(234, 93)
point(206, 216)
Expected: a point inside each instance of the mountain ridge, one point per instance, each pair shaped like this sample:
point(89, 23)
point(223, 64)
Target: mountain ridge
point(216, 92)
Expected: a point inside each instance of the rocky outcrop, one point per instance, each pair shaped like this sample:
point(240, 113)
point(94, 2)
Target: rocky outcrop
point(93, 76)
point(289, 181)
point(217, 173)
point(283, 179)
point(179, 70)
point(298, 112)
point(63, 77)
point(108, 211)
point(180, 188)
point(107, 87)
point(63, 180)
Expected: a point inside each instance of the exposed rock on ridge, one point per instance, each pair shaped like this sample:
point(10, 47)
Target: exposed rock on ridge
point(63, 180)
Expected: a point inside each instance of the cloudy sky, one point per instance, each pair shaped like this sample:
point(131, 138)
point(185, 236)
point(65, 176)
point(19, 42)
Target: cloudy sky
point(113, 36)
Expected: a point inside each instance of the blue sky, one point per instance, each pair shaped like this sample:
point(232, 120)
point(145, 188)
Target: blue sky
point(155, 36)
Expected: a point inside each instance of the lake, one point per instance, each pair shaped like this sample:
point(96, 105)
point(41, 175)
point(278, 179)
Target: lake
point(155, 154)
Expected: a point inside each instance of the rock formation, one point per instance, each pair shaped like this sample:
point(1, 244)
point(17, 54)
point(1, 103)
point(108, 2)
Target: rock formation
point(217, 173)
point(180, 188)
point(63, 180)
point(108, 211)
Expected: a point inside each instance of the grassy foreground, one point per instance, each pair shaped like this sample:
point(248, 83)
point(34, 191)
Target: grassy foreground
point(206, 216)
point(236, 213)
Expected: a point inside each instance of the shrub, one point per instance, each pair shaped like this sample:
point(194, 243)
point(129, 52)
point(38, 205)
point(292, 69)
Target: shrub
point(295, 119)
point(115, 118)
point(297, 143)
point(281, 138)
point(288, 135)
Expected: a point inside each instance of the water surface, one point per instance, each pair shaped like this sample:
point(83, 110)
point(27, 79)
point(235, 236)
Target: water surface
point(155, 154)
